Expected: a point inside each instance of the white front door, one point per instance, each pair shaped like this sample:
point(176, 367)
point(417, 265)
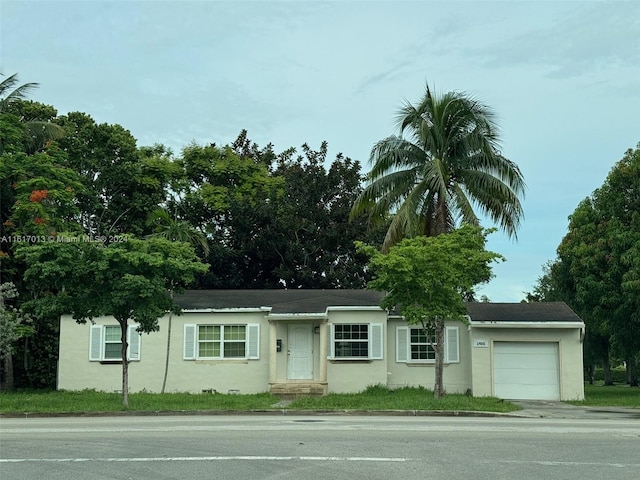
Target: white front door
point(300, 352)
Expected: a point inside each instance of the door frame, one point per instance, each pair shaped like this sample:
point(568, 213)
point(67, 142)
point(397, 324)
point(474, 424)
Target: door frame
point(308, 328)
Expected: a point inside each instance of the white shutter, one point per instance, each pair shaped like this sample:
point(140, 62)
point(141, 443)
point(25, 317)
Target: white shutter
point(133, 343)
point(253, 341)
point(95, 343)
point(402, 344)
point(189, 350)
point(376, 345)
point(332, 343)
point(452, 346)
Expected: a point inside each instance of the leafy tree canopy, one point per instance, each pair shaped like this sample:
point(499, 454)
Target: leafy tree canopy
point(597, 271)
point(427, 278)
point(130, 279)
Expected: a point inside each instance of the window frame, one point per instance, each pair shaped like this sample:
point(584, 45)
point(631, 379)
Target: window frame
point(192, 341)
point(374, 340)
point(98, 341)
point(404, 344)
point(430, 342)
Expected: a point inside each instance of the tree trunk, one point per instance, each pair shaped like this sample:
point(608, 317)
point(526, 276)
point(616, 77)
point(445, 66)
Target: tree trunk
point(632, 371)
point(8, 374)
point(125, 364)
point(606, 369)
point(592, 373)
point(438, 389)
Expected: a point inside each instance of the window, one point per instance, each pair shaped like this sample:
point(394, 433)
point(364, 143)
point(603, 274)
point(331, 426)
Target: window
point(105, 343)
point(221, 341)
point(413, 345)
point(356, 341)
point(422, 344)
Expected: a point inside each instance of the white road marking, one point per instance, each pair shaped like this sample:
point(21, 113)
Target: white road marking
point(548, 463)
point(551, 463)
point(205, 459)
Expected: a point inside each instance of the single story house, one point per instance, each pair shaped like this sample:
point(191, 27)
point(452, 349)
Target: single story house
point(324, 341)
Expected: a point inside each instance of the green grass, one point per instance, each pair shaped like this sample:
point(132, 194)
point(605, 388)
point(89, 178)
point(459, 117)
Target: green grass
point(92, 401)
point(598, 395)
point(373, 398)
point(381, 398)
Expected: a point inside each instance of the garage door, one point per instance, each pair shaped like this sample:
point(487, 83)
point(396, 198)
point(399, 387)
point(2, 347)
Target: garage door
point(526, 370)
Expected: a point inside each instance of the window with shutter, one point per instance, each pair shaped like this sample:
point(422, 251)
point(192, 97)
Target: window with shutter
point(221, 342)
point(356, 341)
point(413, 344)
point(105, 343)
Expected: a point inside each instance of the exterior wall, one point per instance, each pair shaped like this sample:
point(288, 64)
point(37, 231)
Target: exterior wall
point(457, 376)
point(474, 370)
point(350, 376)
point(569, 351)
point(76, 372)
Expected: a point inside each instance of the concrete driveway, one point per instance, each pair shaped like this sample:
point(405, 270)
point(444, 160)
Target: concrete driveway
point(551, 409)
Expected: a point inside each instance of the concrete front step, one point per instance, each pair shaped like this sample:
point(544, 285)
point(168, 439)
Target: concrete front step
point(290, 390)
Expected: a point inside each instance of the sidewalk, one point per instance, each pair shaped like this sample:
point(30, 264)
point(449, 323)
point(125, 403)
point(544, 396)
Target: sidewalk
point(550, 409)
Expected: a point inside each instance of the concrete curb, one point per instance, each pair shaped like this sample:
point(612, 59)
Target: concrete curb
point(273, 412)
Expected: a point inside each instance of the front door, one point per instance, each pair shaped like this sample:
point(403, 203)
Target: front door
point(300, 352)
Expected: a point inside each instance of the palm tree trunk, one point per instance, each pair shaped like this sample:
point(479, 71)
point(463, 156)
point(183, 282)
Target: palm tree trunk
point(166, 360)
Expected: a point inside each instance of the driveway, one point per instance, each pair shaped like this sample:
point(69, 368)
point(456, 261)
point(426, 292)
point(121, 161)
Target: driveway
point(550, 409)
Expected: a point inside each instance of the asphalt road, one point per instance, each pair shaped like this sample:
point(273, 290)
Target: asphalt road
point(318, 447)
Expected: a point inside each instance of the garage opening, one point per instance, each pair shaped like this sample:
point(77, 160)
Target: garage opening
point(526, 370)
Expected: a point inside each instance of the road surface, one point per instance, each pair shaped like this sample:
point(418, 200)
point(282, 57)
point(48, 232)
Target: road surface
point(317, 447)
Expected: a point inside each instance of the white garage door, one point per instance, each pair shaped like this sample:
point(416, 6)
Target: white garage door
point(526, 370)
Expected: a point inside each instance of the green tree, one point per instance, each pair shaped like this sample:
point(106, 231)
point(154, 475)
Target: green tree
point(176, 231)
point(38, 199)
point(123, 184)
point(299, 235)
point(130, 280)
point(426, 280)
point(36, 128)
point(597, 268)
point(223, 195)
point(449, 163)
point(14, 325)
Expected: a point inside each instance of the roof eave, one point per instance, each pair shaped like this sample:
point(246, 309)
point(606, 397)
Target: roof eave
point(533, 324)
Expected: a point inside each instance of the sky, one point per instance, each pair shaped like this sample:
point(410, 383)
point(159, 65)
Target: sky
point(563, 78)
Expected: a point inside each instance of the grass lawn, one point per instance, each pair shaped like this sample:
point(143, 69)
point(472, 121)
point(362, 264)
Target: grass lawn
point(619, 395)
point(374, 398)
point(381, 398)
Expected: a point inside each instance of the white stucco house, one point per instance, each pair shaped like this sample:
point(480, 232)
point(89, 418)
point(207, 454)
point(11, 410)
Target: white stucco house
point(324, 341)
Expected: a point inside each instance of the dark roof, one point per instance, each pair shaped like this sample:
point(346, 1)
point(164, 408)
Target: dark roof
point(521, 312)
point(280, 301)
point(317, 301)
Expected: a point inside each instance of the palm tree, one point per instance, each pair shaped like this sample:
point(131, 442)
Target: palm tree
point(176, 231)
point(431, 181)
point(37, 131)
point(450, 162)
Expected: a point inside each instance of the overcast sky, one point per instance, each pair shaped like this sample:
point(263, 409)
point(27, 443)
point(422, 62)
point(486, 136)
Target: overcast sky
point(563, 78)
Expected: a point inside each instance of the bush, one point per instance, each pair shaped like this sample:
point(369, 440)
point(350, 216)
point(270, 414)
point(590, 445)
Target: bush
point(618, 375)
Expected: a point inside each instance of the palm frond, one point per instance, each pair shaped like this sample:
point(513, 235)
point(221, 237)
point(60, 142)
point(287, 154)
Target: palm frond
point(10, 93)
point(448, 164)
